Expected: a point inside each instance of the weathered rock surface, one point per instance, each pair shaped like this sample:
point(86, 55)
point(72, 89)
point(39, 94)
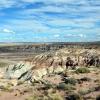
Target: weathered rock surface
point(15, 71)
point(55, 62)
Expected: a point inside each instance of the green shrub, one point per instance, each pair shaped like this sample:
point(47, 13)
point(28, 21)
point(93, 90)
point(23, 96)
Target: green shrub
point(3, 64)
point(65, 73)
point(70, 81)
point(98, 97)
point(97, 81)
point(51, 96)
point(55, 96)
point(64, 86)
point(98, 66)
point(82, 70)
point(83, 92)
point(20, 82)
point(87, 91)
point(6, 88)
point(49, 86)
point(74, 97)
point(85, 79)
point(33, 98)
point(97, 88)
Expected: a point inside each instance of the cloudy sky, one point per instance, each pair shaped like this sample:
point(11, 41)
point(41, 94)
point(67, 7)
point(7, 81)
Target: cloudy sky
point(49, 20)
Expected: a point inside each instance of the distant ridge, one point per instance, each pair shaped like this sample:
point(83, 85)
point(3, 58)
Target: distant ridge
point(90, 42)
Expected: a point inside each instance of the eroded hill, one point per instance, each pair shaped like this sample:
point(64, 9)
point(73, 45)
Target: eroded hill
point(65, 74)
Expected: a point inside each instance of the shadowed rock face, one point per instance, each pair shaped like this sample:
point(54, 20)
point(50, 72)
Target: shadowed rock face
point(55, 62)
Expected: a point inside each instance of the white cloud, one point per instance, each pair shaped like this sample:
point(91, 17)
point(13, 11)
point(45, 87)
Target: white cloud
point(71, 17)
point(82, 35)
point(7, 3)
point(75, 35)
point(45, 1)
point(8, 31)
point(56, 35)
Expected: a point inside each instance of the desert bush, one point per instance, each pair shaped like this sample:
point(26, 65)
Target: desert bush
point(64, 86)
point(3, 64)
point(6, 88)
point(52, 90)
point(65, 73)
point(20, 82)
point(98, 65)
point(33, 97)
point(51, 96)
point(82, 70)
point(37, 97)
point(74, 96)
point(97, 81)
point(87, 91)
point(49, 86)
point(97, 88)
point(93, 89)
point(70, 81)
point(83, 91)
point(55, 96)
point(84, 79)
point(98, 97)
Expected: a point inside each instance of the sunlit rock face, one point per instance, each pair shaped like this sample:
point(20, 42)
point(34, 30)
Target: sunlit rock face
point(15, 71)
point(53, 62)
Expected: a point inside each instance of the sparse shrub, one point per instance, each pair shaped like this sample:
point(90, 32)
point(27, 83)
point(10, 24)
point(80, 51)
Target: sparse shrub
point(70, 81)
point(83, 91)
point(55, 96)
point(83, 79)
point(51, 96)
point(97, 80)
point(52, 90)
point(33, 98)
point(64, 86)
point(82, 70)
point(6, 88)
point(3, 64)
point(98, 65)
point(97, 88)
point(65, 73)
point(20, 82)
point(74, 97)
point(49, 86)
point(98, 97)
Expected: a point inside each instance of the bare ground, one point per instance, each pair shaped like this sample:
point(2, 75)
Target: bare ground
point(85, 88)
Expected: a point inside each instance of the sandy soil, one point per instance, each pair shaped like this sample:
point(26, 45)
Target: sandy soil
point(23, 91)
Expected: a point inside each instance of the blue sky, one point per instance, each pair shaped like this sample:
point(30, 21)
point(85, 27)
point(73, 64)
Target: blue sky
point(49, 20)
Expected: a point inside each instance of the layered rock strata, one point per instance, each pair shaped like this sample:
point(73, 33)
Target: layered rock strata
point(53, 63)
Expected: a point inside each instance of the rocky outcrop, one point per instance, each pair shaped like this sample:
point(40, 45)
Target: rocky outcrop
point(15, 71)
point(55, 62)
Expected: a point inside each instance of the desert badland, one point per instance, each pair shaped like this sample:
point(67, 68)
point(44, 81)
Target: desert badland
point(50, 71)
